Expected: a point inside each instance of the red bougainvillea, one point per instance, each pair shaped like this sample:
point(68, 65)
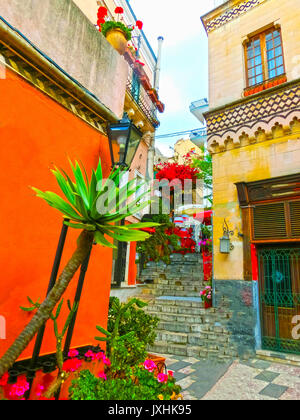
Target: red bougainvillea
point(172, 171)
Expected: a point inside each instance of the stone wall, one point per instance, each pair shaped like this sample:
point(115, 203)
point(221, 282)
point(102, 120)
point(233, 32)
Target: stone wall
point(237, 298)
point(62, 32)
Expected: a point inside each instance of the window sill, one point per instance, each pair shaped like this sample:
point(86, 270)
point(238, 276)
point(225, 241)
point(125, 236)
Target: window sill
point(265, 85)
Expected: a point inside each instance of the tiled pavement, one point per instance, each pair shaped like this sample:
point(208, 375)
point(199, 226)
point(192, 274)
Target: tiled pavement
point(236, 380)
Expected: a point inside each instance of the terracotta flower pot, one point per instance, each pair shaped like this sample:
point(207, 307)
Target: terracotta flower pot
point(159, 361)
point(117, 39)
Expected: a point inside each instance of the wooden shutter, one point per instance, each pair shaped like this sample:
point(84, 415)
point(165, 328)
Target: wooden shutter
point(269, 221)
point(295, 218)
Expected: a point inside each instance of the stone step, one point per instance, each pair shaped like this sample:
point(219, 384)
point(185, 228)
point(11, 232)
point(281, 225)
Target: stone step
point(179, 287)
point(178, 310)
point(172, 337)
point(185, 319)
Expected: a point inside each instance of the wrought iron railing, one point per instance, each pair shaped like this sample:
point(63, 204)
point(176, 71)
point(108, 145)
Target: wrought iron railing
point(140, 96)
point(279, 272)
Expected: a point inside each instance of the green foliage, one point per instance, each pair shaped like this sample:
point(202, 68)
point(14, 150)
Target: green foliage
point(109, 25)
point(141, 385)
point(160, 245)
point(130, 330)
point(204, 164)
point(85, 197)
point(54, 317)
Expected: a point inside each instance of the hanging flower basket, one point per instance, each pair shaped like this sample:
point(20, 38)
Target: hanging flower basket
point(117, 39)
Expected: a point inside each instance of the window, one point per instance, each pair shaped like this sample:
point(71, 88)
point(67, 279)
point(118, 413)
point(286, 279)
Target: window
point(264, 57)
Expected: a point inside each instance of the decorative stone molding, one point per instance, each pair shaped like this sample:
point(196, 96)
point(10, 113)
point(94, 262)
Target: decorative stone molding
point(38, 79)
point(268, 116)
point(213, 21)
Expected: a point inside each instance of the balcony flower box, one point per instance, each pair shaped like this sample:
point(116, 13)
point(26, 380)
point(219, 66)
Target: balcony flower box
point(153, 95)
point(145, 81)
point(265, 85)
point(160, 106)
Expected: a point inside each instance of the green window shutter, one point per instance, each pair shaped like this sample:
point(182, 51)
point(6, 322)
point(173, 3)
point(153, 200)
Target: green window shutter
point(269, 221)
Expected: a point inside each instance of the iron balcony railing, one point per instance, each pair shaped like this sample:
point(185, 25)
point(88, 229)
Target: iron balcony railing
point(140, 96)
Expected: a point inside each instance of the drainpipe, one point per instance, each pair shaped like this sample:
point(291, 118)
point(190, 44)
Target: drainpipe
point(151, 150)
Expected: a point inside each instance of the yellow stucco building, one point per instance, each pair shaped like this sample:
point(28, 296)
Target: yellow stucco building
point(253, 125)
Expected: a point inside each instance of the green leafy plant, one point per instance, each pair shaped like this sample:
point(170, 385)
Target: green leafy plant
point(160, 245)
point(109, 25)
point(62, 376)
point(141, 385)
point(129, 332)
point(83, 198)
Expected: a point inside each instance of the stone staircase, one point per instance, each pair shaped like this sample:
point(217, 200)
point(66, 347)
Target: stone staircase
point(185, 328)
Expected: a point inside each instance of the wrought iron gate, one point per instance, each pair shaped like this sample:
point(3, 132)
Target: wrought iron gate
point(279, 279)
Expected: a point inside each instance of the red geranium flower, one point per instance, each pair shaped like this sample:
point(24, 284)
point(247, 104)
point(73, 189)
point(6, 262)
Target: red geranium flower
point(102, 12)
point(71, 365)
point(100, 21)
point(119, 10)
point(139, 24)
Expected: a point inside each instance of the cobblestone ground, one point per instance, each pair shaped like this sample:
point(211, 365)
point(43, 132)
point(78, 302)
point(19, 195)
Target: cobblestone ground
point(236, 380)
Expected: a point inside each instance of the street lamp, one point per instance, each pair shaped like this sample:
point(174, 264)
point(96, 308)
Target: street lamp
point(124, 139)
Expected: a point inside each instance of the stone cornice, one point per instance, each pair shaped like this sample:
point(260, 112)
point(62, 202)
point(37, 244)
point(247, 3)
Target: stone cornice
point(22, 58)
point(226, 12)
point(272, 114)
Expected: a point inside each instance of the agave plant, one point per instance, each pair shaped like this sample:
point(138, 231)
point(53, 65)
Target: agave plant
point(80, 208)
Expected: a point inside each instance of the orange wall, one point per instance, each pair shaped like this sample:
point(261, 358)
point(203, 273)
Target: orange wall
point(132, 265)
point(36, 133)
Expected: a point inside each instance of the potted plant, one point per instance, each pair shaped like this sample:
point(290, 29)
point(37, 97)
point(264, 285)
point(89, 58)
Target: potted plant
point(116, 32)
point(206, 296)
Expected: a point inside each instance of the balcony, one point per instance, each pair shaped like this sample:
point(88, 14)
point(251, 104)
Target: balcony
point(140, 92)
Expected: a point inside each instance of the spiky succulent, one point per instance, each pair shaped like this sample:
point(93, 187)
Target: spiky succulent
point(85, 196)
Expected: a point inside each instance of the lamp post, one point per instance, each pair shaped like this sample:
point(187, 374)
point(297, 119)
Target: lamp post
point(124, 139)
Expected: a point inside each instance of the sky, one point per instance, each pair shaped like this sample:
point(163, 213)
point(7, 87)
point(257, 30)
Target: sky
point(184, 69)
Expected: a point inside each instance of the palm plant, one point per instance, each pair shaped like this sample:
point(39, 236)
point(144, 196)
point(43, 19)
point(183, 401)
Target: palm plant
point(83, 199)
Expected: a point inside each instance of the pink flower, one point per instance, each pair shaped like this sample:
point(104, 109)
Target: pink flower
point(106, 361)
point(73, 353)
point(19, 388)
point(149, 365)
point(39, 390)
point(90, 355)
point(100, 355)
point(102, 375)
point(162, 378)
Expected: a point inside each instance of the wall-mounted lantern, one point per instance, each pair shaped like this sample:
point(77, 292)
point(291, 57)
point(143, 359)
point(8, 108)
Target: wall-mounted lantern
point(225, 244)
point(127, 137)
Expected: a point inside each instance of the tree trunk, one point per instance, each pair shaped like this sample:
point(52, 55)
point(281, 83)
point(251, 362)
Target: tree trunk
point(84, 244)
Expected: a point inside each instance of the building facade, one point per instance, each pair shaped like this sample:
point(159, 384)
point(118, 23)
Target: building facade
point(253, 134)
point(57, 95)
